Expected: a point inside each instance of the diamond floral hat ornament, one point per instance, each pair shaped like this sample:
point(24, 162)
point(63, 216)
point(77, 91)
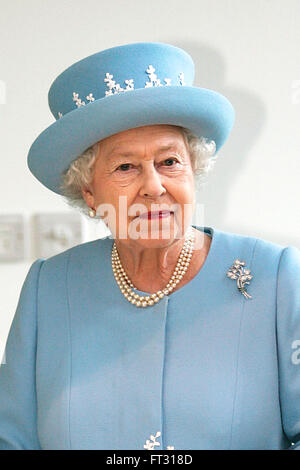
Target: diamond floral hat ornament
point(121, 88)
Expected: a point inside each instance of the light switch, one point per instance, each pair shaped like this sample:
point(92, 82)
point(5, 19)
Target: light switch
point(11, 237)
point(56, 232)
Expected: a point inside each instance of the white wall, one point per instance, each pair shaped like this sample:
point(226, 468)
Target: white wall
point(246, 49)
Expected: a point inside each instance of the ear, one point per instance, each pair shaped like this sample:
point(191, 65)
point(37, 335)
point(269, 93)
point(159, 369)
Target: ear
point(88, 196)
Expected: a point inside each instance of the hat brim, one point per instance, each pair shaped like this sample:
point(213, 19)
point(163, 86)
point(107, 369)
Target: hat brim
point(205, 112)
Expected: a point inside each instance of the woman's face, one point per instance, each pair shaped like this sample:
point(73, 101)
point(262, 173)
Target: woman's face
point(140, 170)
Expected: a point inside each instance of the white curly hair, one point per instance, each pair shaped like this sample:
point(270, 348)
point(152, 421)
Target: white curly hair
point(80, 172)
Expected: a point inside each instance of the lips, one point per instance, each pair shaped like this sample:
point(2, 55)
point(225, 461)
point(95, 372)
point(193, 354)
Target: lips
point(155, 214)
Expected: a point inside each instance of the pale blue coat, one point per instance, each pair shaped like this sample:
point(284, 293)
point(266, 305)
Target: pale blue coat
point(205, 366)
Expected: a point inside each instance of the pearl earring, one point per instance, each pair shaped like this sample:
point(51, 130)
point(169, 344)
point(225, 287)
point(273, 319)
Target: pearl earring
point(92, 212)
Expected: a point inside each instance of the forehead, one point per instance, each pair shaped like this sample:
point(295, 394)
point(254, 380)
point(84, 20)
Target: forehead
point(159, 137)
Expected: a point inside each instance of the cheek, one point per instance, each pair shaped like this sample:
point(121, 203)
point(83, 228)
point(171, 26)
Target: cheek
point(104, 191)
point(185, 189)
point(184, 196)
point(122, 198)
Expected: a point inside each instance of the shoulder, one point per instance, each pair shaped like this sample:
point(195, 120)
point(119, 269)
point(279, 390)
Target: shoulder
point(275, 268)
point(78, 255)
point(271, 261)
point(289, 276)
point(259, 247)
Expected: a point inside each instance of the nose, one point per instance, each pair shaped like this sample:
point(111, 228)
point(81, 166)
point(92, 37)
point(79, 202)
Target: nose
point(151, 183)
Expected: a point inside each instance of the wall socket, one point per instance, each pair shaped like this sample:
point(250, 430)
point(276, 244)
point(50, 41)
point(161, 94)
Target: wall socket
point(11, 237)
point(56, 232)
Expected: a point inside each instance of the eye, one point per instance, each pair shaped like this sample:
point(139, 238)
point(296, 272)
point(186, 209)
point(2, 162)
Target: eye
point(170, 159)
point(123, 165)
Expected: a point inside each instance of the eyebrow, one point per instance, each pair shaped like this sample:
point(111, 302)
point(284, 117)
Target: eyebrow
point(162, 148)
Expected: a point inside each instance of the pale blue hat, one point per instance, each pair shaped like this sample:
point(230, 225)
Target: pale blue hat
point(122, 88)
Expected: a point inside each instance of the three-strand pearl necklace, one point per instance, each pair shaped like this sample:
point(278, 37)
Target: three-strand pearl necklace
point(127, 288)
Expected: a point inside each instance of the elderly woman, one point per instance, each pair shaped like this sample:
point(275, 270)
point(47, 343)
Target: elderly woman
point(167, 335)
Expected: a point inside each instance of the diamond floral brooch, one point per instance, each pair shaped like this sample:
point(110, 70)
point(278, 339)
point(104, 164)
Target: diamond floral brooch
point(242, 276)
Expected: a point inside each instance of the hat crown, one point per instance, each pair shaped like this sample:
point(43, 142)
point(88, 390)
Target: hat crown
point(117, 70)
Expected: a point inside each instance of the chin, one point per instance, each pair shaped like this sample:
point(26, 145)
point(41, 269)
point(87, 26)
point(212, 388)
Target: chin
point(154, 243)
point(157, 231)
